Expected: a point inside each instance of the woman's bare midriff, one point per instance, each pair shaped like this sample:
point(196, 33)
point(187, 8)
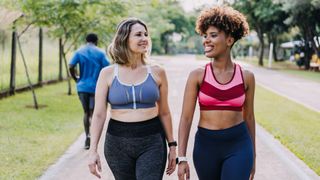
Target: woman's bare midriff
point(217, 120)
point(134, 115)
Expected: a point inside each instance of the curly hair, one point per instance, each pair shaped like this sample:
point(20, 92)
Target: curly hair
point(225, 18)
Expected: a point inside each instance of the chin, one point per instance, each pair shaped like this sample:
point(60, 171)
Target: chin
point(209, 55)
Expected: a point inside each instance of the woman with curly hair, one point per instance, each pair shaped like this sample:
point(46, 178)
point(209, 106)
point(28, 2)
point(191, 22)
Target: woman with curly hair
point(224, 146)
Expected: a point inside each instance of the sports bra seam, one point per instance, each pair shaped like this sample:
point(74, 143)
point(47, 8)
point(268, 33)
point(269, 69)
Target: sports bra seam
point(230, 81)
point(149, 72)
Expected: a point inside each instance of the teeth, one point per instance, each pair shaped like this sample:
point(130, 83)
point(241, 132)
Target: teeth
point(208, 48)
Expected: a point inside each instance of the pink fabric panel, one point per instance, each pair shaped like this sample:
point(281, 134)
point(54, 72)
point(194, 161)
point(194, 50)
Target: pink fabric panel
point(237, 79)
point(209, 101)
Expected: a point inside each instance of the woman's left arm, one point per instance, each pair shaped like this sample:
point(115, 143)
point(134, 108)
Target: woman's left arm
point(165, 117)
point(248, 111)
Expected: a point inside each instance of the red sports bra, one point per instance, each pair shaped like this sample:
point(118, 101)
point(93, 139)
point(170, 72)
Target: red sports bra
point(216, 96)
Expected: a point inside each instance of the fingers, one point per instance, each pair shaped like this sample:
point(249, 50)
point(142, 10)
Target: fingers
point(251, 176)
point(171, 163)
point(183, 172)
point(94, 164)
point(187, 173)
point(92, 168)
point(171, 166)
point(99, 165)
point(181, 175)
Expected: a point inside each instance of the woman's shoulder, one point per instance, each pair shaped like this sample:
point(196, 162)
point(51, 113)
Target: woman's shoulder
point(197, 72)
point(248, 76)
point(247, 73)
point(108, 69)
point(156, 68)
point(108, 72)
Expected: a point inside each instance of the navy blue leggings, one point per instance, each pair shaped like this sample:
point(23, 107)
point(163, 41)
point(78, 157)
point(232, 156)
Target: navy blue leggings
point(223, 154)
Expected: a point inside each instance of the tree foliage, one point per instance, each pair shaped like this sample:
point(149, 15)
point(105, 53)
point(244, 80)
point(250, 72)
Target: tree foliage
point(71, 19)
point(305, 15)
point(164, 19)
point(265, 17)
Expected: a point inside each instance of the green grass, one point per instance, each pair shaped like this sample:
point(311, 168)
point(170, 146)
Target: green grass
point(30, 139)
point(297, 127)
point(287, 67)
point(284, 66)
point(30, 47)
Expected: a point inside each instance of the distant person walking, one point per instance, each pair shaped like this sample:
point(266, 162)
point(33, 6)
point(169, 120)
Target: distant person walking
point(140, 119)
point(224, 147)
point(90, 60)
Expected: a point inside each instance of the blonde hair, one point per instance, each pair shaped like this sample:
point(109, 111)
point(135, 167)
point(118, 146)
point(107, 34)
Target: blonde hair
point(119, 50)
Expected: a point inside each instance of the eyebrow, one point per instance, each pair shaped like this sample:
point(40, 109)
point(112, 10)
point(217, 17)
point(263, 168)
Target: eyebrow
point(141, 32)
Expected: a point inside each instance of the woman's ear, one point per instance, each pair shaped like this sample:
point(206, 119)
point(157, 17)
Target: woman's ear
point(230, 40)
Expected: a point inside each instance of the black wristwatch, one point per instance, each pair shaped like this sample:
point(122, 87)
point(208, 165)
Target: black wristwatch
point(173, 143)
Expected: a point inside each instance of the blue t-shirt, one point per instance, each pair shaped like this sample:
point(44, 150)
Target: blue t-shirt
point(91, 60)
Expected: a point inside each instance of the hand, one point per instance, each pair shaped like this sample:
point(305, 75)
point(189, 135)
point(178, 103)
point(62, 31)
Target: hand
point(183, 170)
point(94, 164)
point(171, 160)
point(253, 171)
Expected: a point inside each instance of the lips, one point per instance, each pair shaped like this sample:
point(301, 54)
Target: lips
point(208, 49)
point(143, 45)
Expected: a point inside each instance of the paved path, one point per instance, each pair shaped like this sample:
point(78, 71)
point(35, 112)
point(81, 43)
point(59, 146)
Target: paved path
point(274, 162)
point(297, 89)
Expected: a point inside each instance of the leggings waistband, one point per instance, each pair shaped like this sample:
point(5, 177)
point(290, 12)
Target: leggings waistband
point(135, 129)
point(234, 132)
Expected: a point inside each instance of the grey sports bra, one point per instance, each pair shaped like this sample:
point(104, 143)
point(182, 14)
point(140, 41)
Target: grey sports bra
point(134, 96)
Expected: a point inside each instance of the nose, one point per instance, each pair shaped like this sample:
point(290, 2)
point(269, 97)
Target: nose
point(205, 40)
point(144, 38)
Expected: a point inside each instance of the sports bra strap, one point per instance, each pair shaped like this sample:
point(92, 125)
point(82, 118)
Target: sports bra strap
point(149, 69)
point(116, 70)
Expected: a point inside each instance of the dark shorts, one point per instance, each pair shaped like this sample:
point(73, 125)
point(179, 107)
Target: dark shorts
point(87, 101)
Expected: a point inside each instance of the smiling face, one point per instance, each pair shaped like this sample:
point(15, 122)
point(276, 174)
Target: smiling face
point(216, 43)
point(138, 39)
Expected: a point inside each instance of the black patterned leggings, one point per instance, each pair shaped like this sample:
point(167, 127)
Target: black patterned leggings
point(136, 151)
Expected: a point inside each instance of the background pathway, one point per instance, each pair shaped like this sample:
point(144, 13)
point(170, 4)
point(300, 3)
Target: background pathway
point(274, 161)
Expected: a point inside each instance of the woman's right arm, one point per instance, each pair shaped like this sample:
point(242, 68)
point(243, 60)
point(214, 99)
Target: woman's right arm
point(189, 103)
point(98, 119)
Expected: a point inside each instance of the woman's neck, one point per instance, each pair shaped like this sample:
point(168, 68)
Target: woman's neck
point(223, 62)
point(135, 61)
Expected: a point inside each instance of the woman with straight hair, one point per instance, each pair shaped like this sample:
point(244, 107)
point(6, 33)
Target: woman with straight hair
point(224, 147)
point(140, 120)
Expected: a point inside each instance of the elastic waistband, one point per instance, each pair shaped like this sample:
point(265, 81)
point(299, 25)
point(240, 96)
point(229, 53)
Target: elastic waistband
point(234, 132)
point(135, 129)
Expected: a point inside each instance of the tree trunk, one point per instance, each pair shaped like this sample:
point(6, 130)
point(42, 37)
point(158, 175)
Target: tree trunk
point(272, 39)
point(308, 49)
point(40, 57)
point(275, 44)
point(313, 35)
point(260, 36)
point(67, 70)
point(12, 84)
point(27, 74)
point(60, 60)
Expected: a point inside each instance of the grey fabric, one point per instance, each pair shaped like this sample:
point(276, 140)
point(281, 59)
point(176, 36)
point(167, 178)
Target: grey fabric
point(136, 158)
